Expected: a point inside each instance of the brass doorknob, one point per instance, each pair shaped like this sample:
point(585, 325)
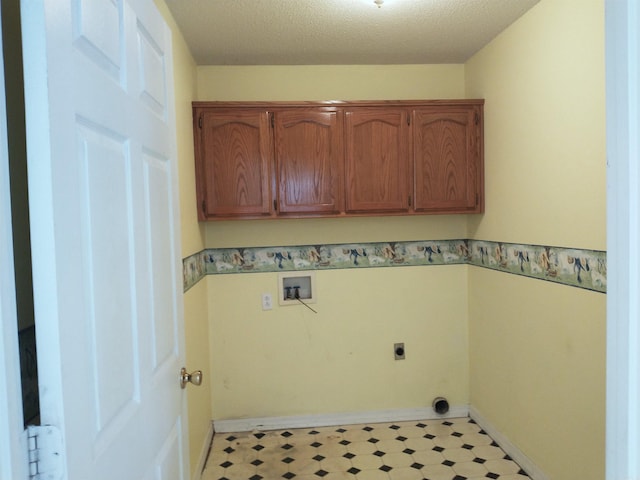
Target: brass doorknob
point(193, 377)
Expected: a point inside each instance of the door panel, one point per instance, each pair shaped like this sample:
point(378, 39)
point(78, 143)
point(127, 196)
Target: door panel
point(377, 163)
point(234, 160)
point(309, 153)
point(103, 184)
point(445, 148)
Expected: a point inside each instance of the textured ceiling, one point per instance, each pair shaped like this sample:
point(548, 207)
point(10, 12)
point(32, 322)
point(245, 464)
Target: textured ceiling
point(330, 32)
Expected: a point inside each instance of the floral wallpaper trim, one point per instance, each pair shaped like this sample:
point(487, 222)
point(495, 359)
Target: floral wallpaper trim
point(568, 266)
point(193, 269)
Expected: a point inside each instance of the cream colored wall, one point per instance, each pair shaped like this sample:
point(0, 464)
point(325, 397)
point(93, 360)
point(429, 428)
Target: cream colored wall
point(195, 300)
point(290, 361)
point(330, 82)
point(543, 81)
point(537, 349)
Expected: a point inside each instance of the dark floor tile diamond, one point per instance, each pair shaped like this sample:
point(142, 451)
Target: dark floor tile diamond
point(319, 458)
point(401, 438)
point(467, 446)
point(316, 444)
point(348, 455)
point(420, 425)
point(482, 432)
point(226, 464)
point(373, 440)
point(408, 451)
point(507, 457)
point(417, 465)
point(257, 462)
point(288, 460)
point(429, 436)
point(368, 428)
point(395, 427)
point(230, 438)
point(385, 468)
point(456, 434)
point(286, 434)
point(259, 435)
point(289, 475)
point(256, 477)
point(493, 475)
point(448, 463)
point(344, 442)
point(494, 444)
point(286, 446)
point(229, 450)
point(448, 424)
point(459, 477)
point(479, 460)
point(223, 478)
point(313, 432)
point(471, 420)
point(257, 448)
point(354, 471)
point(378, 453)
point(341, 430)
point(438, 449)
point(321, 473)
point(522, 472)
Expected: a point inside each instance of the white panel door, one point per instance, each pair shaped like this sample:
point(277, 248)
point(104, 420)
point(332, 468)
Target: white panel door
point(104, 219)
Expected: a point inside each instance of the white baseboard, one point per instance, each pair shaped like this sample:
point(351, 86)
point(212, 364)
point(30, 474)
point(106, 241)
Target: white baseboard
point(204, 453)
point(326, 420)
point(510, 449)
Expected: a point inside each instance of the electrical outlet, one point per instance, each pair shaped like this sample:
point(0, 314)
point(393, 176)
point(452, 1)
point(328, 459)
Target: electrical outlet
point(398, 351)
point(267, 301)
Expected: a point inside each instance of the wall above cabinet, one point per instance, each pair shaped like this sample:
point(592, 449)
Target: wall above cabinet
point(335, 159)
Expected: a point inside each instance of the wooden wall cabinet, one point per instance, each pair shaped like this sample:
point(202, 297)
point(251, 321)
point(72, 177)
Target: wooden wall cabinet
point(327, 159)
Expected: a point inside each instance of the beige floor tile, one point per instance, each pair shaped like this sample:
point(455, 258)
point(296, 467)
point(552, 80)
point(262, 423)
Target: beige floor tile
point(448, 442)
point(372, 475)
point(502, 467)
point(397, 460)
point(336, 464)
point(390, 446)
point(470, 469)
point(488, 452)
point(362, 448)
point(429, 457)
point(419, 444)
point(367, 462)
point(405, 474)
point(438, 472)
point(458, 455)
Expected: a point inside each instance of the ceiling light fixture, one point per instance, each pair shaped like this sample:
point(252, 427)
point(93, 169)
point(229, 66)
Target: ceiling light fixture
point(378, 2)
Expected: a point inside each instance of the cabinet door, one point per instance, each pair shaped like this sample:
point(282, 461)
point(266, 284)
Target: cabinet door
point(447, 159)
point(377, 160)
point(233, 163)
point(309, 153)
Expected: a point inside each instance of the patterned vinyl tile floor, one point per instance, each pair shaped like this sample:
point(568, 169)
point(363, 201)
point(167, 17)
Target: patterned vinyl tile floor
point(451, 449)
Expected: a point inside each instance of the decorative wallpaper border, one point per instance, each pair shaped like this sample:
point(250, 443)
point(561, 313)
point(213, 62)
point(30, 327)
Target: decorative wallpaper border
point(568, 266)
